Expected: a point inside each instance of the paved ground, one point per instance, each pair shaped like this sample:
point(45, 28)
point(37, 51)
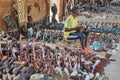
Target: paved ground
point(113, 69)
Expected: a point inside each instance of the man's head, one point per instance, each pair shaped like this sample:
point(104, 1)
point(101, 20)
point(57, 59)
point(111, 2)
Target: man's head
point(76, 10)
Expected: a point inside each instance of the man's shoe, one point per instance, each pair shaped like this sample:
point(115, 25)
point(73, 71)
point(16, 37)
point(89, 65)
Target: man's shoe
point(84, 51)
point(88, 50)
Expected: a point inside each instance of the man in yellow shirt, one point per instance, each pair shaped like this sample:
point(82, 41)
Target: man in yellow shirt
point(72, 29)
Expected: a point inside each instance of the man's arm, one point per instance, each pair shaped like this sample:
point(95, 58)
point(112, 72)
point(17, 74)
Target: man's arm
point(80, 28)
point(70, 29)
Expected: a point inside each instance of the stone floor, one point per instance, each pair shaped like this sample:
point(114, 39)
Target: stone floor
point(113, 69)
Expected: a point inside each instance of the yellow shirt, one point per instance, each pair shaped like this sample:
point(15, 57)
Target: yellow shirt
point(70, 22)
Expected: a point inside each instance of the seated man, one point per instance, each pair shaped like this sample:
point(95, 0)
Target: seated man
point(73, 31)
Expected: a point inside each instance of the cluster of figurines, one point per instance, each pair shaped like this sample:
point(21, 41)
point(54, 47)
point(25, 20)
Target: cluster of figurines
point(29, 60)
point(48, 36)
point(115, 10)
point(103, 27)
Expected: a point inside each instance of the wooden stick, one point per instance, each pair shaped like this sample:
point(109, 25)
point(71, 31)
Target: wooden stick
point(1, 55)
point(7, 52)
point(26, 54)
point(20, 46)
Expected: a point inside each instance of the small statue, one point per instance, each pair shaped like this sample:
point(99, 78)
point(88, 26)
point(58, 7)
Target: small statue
point(54, 11)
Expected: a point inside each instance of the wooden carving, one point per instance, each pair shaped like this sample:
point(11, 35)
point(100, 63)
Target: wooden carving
point(22, 11)
point(9, 22)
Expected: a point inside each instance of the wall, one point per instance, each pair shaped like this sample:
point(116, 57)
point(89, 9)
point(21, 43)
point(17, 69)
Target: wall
point(6, 7)
point(44, 9)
